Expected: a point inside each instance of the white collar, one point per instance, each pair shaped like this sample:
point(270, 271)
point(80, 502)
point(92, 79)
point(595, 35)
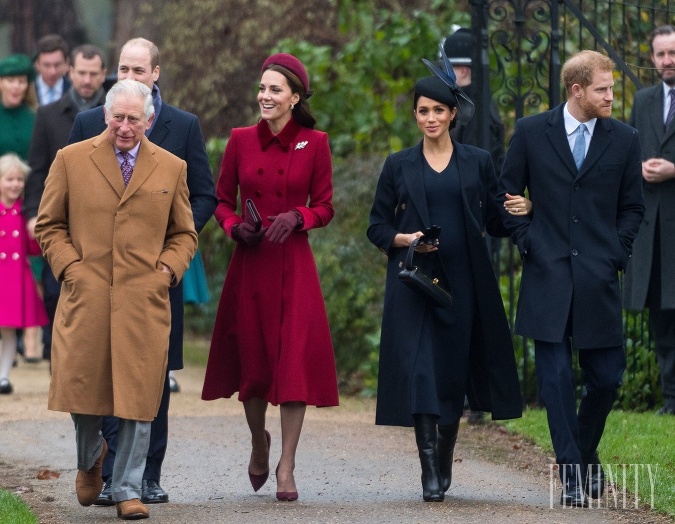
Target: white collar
point(571, 123)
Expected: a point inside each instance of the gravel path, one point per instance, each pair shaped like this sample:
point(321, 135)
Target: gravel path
point(348, 470)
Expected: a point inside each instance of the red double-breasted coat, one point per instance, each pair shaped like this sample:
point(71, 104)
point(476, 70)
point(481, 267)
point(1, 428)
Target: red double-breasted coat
point(271, 338)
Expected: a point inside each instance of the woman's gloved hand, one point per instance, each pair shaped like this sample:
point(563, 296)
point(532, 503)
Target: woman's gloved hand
point(247, 234)
point(282, 225)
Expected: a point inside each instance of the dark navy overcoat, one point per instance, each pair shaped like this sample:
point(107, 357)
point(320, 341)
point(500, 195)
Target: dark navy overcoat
point(400, 206)
point(580, 234)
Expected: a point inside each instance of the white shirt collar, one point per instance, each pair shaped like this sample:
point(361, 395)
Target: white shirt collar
point(571, 123)
point(44, 88)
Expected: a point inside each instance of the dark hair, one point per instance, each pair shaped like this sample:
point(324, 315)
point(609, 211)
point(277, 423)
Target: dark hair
point(434, 89)
point(88, 52)
point(51, 43)
point(301, 112)
point(666, 29)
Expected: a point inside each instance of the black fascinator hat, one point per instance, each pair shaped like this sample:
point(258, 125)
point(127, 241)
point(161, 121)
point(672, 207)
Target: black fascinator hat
point(465, 107)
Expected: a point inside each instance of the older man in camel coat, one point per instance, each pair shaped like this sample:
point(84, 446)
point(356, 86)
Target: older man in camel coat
point(116, 227)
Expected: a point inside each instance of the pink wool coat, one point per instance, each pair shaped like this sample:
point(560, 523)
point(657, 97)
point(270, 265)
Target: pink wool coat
point(21, 305)
point(271, 338)
point(106, 244)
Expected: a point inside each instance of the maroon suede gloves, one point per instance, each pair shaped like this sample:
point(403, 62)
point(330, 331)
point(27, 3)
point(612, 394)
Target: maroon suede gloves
point(282, 225)
point(246, 233)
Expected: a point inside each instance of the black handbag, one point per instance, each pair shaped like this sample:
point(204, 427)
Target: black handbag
point(429, 288)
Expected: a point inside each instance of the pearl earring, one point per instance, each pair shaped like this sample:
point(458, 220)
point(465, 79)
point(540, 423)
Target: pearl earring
point(292, 107)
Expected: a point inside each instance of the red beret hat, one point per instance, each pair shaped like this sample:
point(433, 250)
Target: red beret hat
point(291, 63)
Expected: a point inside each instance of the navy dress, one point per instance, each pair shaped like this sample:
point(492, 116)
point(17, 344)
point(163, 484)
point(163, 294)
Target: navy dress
point(441, 368)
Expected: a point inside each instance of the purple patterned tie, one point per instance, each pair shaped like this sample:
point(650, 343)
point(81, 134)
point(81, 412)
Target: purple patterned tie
point(671, 111)
point(126, 168)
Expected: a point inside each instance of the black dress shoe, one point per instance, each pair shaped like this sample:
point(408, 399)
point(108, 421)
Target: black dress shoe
point(5, 387)
point(153, 493)
point(105, 498)
point(573, 497)
point(595, 483)
point(174, 387)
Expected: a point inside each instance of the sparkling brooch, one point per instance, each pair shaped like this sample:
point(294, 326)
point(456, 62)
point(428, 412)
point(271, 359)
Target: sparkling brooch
point(300, 145)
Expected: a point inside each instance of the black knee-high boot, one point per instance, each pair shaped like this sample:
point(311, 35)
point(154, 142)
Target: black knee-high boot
point(426, 436)
point(447, 437)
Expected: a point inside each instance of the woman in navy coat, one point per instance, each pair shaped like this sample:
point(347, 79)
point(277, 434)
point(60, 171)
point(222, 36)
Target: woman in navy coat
point(430, 357)
point(271, 340)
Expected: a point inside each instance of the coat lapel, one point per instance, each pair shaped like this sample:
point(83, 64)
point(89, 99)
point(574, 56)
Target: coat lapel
point(413, 170)
point(160, 129)
point(558, 137)
point(467, 165)
point(106, 161)
point(602, 137)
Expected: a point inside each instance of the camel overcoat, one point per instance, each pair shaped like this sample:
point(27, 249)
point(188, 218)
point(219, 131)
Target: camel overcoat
point(106, 244)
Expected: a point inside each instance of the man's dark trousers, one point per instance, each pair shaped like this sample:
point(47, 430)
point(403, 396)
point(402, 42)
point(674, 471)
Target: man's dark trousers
point(576, 434)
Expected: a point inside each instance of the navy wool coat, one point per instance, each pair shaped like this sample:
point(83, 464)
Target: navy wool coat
point(581, 231)
point(400, 207)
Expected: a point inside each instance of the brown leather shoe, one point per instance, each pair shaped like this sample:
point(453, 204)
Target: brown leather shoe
point(88, 484)
point(132, 509)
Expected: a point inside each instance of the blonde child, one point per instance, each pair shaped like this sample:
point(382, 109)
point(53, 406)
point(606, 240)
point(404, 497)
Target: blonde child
point(21, 306)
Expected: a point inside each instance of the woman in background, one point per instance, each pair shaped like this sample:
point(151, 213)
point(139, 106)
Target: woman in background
point(18, 103)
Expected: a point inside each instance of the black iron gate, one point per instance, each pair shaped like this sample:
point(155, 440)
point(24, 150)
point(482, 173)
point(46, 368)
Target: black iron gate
point(519, 47)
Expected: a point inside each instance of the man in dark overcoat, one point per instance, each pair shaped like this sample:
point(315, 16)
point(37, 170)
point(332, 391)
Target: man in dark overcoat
point(583, 173)
point(179, 133)
point(650, 280)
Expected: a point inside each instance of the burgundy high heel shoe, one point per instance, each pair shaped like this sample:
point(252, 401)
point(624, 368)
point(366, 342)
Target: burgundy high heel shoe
point(258, 481)
point(286, 496)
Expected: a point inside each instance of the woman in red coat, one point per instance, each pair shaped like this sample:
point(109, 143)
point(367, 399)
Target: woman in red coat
point(271, 340)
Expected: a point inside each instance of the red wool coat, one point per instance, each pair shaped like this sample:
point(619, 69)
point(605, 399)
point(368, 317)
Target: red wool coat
point(271, 338)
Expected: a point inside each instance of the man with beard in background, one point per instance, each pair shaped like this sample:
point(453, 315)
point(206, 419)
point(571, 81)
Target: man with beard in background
point(650, 281)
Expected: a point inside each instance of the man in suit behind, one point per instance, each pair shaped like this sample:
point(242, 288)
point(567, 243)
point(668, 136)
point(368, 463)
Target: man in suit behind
point(583, 173)
point(116, 227)
point(51, 65)
point(650, 281)
point(179, 133)
point(50, 133)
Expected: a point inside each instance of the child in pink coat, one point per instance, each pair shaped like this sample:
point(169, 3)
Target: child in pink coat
point(21, 306)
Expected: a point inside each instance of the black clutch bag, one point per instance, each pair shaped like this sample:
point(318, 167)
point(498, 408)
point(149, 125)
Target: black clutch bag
point(252, 215)
point(422, 284)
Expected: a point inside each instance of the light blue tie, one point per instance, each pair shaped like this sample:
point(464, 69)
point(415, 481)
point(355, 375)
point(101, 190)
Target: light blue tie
point(579, 151)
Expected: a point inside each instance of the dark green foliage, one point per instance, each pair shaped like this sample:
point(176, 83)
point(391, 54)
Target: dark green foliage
point(370, 78)
point(352, 270)
point(641, 390)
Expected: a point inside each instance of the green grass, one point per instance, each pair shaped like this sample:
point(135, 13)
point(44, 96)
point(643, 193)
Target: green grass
point(629, 439)
point(196, 352)
point(13, 510)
